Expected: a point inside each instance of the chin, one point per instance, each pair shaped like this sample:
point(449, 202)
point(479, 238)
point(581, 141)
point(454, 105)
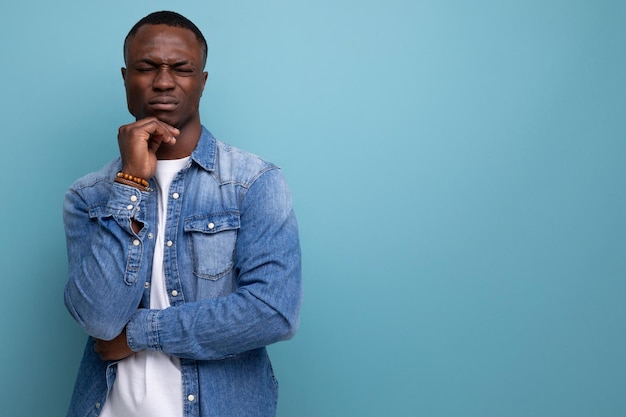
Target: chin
point(166, 118)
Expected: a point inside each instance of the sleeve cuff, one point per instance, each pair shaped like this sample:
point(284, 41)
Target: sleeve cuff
point(124, 200)
point(142, 331)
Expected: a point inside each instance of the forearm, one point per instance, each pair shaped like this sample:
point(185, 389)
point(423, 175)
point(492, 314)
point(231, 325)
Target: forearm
point(105, 286)
point(211, 329)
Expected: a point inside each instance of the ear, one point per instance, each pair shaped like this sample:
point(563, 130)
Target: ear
point(124, 74)
point(205, 75)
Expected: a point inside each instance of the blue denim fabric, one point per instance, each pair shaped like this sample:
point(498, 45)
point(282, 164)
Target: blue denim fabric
point(232, 266)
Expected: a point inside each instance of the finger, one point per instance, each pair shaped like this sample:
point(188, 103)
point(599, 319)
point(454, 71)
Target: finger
point(150, 128)
point(160, 131)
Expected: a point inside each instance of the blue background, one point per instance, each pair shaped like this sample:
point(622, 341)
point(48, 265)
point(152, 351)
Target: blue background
point(458, 173)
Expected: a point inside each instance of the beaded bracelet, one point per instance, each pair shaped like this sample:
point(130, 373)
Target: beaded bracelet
point(129, 177)
point(130, 183)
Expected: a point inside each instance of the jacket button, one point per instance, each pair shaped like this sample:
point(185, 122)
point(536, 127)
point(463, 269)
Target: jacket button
point(175, 196)
point(211, 225)
point(174, 293)
point(191, 397)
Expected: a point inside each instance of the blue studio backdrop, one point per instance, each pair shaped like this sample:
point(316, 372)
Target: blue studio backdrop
point(457, 169)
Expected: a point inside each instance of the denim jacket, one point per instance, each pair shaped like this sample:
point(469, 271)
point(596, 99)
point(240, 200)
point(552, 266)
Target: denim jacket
point(232, 272)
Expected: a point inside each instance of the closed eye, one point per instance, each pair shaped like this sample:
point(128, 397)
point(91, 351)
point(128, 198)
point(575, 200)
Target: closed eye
point(183, 69)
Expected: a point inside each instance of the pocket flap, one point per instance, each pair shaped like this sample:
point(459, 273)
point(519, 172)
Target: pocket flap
point(212, 223)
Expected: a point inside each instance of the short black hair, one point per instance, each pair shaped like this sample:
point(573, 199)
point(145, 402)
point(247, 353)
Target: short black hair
point(170, 19)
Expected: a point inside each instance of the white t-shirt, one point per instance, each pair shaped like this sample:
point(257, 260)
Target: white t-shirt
point(149, 383)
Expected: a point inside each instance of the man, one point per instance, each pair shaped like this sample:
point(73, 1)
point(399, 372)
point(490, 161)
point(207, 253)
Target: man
point(184, 261)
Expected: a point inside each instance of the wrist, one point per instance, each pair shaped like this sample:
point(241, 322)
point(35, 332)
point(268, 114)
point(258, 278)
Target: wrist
point(136, 171)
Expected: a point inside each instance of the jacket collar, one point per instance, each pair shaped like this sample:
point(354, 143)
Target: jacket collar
point(205, 152)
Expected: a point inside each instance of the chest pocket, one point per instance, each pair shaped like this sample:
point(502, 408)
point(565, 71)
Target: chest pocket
point(212, 241)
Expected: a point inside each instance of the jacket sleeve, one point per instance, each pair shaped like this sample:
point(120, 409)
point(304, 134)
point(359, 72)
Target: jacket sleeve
point(104, 257)
point(265, 306)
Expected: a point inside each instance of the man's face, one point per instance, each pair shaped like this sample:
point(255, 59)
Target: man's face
point(164, 77)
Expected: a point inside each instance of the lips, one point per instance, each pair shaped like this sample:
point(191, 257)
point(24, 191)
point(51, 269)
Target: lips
point(163, 103)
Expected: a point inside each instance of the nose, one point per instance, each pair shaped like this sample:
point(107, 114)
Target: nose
point(163, 80)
